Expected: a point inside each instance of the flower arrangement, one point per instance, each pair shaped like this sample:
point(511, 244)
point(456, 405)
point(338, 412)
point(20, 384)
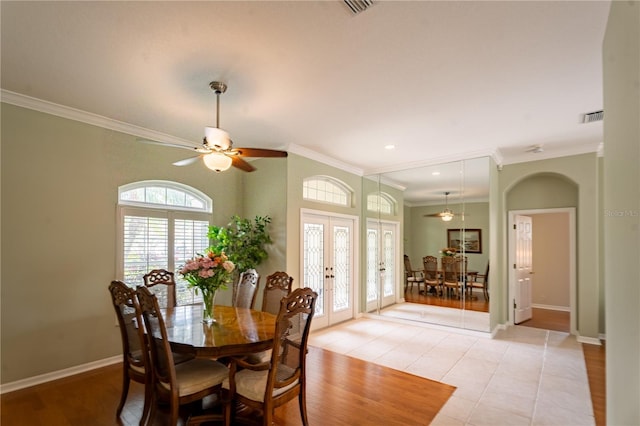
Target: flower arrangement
point(208, 273)
point(449, 251)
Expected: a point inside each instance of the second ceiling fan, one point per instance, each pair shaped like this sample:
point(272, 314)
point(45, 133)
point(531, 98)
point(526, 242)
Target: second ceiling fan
point(447, 214)
point(217, 151)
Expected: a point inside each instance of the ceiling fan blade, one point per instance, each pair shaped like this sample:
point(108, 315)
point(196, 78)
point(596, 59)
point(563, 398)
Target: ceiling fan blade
point(187, 161)
point(238, 162)
point(440, 214)
point(259, 152)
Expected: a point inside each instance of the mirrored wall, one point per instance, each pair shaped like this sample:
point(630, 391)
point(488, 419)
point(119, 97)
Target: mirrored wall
point(441, 215)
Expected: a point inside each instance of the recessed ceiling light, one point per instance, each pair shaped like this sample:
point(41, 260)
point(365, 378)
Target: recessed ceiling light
point(389, 147)
point(435, 173)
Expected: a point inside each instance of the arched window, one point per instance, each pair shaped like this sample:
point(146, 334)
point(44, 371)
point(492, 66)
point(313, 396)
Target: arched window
point(381, 202)
point(326, 189)
point(161, 224)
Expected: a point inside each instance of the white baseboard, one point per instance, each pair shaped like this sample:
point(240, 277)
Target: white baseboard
point(589, 340)
point(54, 375)
point(551, 307)
point(498, 328)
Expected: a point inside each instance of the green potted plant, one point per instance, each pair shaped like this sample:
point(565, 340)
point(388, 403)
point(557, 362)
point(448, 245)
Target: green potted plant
point(242, 240)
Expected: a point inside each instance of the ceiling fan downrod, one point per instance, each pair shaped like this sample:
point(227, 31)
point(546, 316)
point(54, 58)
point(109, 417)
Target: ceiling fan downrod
point(219, 88)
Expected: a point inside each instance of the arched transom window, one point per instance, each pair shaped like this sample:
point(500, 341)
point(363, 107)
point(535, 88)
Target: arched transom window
point(381, 202)
point(327, 190)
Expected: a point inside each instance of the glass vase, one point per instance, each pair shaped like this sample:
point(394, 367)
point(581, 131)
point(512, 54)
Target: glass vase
point(207, 310)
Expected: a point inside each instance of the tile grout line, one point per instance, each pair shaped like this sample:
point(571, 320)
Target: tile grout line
point(544, 360)
point(477, 403)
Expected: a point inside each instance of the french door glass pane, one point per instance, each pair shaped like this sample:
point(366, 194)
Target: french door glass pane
point(389, 264)
point(372, 264)
point(314, 261)
point(341, 268)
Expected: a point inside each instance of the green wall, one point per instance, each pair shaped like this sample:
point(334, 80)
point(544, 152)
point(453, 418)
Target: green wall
point(621, 214)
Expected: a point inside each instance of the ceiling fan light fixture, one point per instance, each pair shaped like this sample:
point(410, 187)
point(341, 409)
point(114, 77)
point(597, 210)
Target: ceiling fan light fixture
point(217, 138)
point(446, 215)
point(217, 161)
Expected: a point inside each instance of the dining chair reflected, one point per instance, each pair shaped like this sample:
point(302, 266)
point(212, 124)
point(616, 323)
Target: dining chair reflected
point(480, 281)
point(282, 377)
point(177, 384)
point(412, 276)
point(451, 275)
point(431, 275)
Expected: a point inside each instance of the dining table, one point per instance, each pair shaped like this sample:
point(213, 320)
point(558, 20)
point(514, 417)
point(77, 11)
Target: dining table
point(235, 331)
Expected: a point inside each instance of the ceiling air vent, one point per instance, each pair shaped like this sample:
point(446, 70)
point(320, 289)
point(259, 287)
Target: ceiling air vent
point(593, 116)
point(358, 6)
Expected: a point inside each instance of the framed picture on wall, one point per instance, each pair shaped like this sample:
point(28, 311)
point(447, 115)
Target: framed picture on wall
point(469, 240)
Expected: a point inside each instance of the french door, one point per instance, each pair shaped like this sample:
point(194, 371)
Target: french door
point(328, 260)
point(382, 261)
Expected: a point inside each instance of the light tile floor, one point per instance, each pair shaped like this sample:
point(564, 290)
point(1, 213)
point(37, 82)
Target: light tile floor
point(523, 376)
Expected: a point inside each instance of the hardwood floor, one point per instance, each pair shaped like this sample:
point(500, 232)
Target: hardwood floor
point(340, 391)
point(477, 303)
point(595, 357)
point(548, 319)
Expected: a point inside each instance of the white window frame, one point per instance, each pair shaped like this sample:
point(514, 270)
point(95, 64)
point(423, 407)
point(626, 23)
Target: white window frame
point(167, 185)
point(380, 199)
point(343, 189)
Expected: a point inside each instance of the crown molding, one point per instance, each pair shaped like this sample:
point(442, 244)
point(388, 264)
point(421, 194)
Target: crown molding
point(47, 107)
point(469, 155)
point(325, 159)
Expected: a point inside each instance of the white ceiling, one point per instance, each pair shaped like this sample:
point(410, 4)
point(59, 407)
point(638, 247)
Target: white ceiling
point(439, 80)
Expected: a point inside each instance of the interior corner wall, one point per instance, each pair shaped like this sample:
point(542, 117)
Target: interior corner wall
point(582, 170)
point(621, 215)
point(264, 193)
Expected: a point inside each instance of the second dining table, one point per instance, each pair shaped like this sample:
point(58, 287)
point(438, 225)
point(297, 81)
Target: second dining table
point(235, 332)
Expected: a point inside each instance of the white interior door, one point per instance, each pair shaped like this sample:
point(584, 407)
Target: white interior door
point(523, 268)
point(382, 261)
point(328, 261)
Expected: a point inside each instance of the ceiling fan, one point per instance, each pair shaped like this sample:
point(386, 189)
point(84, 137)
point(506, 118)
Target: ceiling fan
point(447, 214)
point(217, 151)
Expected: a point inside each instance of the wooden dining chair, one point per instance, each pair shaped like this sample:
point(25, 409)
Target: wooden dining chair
point(162, 283)
point(412, 276)
point(135, 355)
point(177, 384)
point(244, 290)
point(271, 384)
point(431, 275)
point(277, 286)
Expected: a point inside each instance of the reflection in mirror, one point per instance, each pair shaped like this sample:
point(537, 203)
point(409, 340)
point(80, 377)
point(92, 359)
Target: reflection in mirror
point(428, 195)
